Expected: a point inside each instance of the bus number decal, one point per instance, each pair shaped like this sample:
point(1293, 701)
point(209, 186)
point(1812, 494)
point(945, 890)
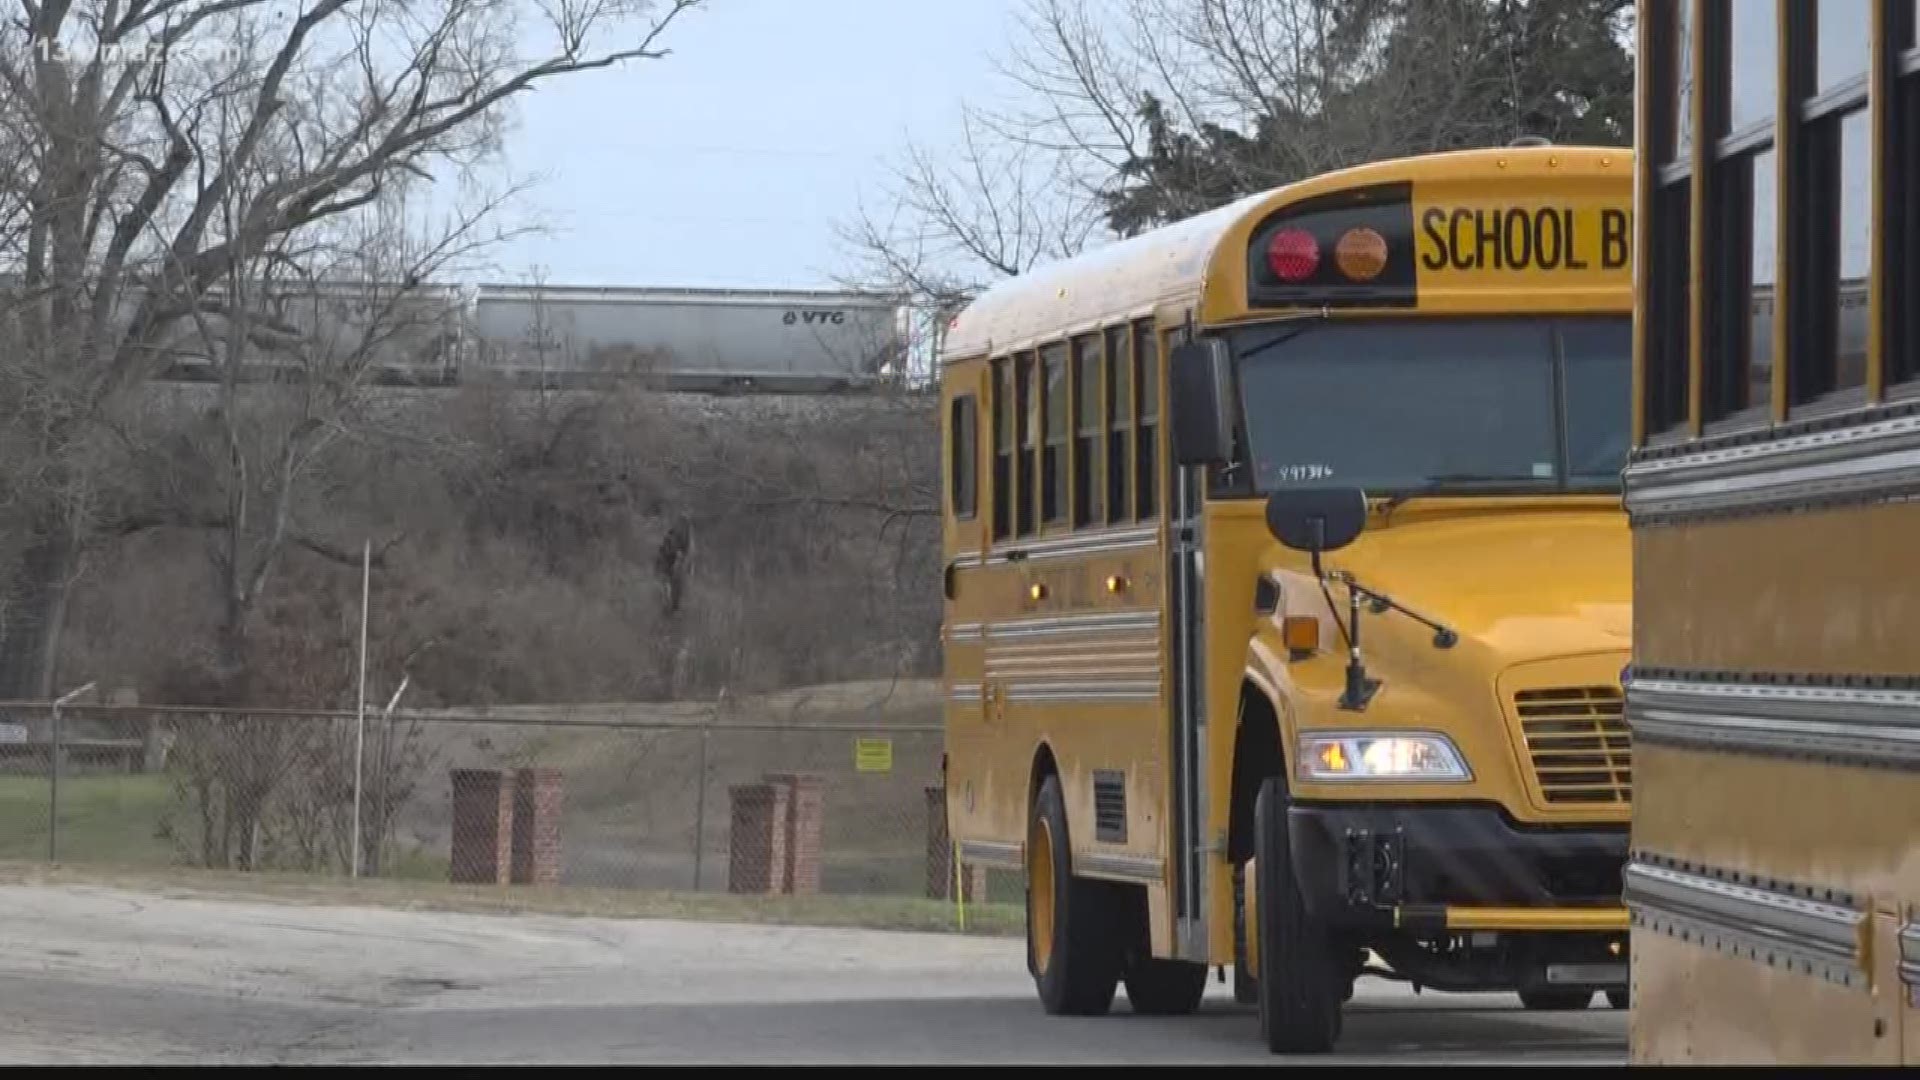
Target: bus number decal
point(1295, 472)
point(1517, 238)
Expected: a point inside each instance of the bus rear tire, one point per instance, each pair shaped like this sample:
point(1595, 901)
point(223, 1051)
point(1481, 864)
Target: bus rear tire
point(1072, 948)
point(1299, 982)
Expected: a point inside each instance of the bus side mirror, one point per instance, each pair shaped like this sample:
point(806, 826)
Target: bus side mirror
point(1200, 386)
point(1317, 519)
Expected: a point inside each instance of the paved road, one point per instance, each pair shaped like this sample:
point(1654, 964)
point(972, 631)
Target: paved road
point(101, 976)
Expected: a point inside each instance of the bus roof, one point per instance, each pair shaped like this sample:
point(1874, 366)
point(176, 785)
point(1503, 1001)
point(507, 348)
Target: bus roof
point(1200, 256)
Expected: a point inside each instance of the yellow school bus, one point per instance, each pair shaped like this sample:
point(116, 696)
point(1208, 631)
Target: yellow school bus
point(1774, 694)
point(1287, 592)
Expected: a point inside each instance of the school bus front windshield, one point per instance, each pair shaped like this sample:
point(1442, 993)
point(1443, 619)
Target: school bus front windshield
point(1508, 405)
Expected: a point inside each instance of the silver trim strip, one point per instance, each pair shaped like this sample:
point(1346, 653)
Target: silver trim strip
point(1147, 664)
point(992, 853)
point(1101, 644)
point(1910, 955)
point(965, 692)
point(967, 560)
point(1094, 623)
point(1140, 690)
point(1124, 867)
point(965, 631)
point(1878, 726)
point(1760, 924)
point(1878, 458)
point(1064, 547)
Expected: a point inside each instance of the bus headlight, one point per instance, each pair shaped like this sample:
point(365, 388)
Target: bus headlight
point(1378, 756)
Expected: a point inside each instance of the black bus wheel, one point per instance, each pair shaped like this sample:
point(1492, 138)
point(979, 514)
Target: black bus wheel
point(1072, 949)
point(1244, 990)
point(1299, 981)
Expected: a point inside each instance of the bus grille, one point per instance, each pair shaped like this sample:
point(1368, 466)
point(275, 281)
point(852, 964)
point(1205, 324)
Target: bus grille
point(1577, 738)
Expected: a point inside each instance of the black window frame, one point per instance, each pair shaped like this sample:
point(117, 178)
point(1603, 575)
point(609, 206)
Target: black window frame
point(1899, 133)
point(1731, 159)
point(1666, 338)
point(1118, 396)
point(1086, 372)
point(1147, 367)
point(1811, 204)
point(1054, 391)
point(963, 456)
point(1026, 447)
point(1001, 379)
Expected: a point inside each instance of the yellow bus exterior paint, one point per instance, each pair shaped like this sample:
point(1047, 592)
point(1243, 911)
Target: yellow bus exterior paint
point(1774, 696)
point(1119, 689)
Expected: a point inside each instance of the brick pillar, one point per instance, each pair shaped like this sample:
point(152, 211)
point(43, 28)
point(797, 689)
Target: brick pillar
point(973, 883)
point(758, 838)
point(806, 816)
point(482, 826)
point(537, 795)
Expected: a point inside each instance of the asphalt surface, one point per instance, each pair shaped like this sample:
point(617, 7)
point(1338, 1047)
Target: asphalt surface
point(101, 976)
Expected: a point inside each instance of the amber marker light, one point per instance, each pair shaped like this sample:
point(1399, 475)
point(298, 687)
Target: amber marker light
point(1361, 254)
point(1301, 634)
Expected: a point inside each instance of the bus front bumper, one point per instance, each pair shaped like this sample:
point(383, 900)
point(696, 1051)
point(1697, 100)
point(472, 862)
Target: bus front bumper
point(1452, 867)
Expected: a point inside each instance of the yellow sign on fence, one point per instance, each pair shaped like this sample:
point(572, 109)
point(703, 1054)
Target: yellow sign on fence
point(873, 755)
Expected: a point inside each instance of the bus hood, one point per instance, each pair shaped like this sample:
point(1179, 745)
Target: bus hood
point(1526, 584)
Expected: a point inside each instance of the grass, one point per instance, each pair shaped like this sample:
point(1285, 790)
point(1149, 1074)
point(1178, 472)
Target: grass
point(630, 814)
point(869, 912)
point(102, 818)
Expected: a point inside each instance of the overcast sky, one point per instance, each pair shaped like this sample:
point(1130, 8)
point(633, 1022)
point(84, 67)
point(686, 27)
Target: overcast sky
point(728, 163)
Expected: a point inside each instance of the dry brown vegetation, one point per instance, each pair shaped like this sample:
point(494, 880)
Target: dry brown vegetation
point(553, 548)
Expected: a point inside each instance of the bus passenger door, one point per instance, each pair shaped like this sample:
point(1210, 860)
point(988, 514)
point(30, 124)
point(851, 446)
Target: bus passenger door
point(1186, 623)
point(968, 416)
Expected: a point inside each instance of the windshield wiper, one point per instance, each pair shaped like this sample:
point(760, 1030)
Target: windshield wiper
point(1305, 319)
point(1431, 484)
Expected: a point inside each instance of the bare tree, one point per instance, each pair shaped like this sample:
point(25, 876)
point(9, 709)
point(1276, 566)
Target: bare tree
point(133, 191)
point(1126, 114)
point(953, 226)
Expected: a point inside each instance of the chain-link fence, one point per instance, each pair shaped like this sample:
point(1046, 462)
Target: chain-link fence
point(550, 798)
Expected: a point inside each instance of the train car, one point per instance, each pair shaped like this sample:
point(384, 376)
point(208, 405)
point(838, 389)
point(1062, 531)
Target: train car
point(687, 338)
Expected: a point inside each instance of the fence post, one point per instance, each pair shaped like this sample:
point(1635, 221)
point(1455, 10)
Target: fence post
point(700, 810)
point(53, 790)
point(53, 793)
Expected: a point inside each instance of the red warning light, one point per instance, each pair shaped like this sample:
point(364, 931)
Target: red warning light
point(1293, 254)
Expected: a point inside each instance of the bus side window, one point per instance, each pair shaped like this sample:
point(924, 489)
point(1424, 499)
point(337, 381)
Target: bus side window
point(1146, 378)
point(963, 465)
point(1002, 449)
point(1119, 424)
point(1025, 445)
point(1089, 478)
point(1054, 433)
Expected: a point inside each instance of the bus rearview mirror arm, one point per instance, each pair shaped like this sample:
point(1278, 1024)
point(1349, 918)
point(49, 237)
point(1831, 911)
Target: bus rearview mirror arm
point(1317, 520)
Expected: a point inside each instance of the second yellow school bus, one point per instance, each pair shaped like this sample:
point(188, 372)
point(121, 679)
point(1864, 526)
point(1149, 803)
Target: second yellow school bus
point(1287, 592)
point(1774, 874)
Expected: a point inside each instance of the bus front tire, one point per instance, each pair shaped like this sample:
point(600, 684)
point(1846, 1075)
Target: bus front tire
point(1072, 949)
point(1299, 982)
point(1244, 990)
